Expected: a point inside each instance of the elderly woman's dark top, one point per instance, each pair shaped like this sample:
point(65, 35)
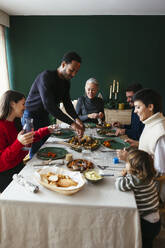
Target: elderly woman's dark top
point(87, 106)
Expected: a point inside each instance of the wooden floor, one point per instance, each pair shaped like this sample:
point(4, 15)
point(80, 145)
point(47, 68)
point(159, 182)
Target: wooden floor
point(159, 242)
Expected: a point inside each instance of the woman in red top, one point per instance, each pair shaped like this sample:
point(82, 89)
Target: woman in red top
point(12, 137)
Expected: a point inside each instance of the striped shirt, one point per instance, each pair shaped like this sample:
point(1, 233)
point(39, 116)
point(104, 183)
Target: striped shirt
point(145, 192)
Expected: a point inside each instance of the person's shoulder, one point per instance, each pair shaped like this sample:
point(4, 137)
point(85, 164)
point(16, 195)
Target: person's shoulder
point(100, 100)
point(81, 98)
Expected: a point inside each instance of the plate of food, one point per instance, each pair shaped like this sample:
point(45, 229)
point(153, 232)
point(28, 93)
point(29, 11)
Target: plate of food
point(64, 133)
point(85, 142)
point(60, 180)
point(115, 144)
point(80, 165)
point(51, 153)
point(106, 132)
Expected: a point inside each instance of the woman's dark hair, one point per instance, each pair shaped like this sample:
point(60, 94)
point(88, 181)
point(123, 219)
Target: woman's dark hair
point(5, 105)
point(141, 163)
point(68, 57)
point(149, 96)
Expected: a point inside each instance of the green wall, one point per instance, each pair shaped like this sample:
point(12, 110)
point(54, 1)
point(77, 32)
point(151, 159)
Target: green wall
point(112, 47)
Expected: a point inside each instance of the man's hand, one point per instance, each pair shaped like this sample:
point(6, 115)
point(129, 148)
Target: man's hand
point(80, 123)
point(101, 115)
point(79, 130)
point(116, 124)
point(93, 116)
point(120, 131)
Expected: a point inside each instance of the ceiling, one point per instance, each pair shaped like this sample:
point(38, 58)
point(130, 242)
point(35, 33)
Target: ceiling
point(83, 7)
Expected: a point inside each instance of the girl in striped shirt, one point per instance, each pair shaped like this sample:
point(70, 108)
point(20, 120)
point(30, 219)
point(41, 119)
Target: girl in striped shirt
point(138, 176)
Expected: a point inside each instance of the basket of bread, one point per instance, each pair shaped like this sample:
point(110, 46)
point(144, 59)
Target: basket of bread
point(60, 180)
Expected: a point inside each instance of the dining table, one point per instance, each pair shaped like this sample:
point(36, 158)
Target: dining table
point(97, 216)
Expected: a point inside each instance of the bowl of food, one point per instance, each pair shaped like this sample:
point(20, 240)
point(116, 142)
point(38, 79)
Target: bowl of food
point(93, 176)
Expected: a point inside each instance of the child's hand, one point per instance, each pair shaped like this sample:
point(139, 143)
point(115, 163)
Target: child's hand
point(124, 172)
point(122, 154)
point(53, 127)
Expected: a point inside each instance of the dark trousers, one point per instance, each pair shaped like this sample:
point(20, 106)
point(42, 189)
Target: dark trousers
point(39, 120)
point(7, 176)
point(149, 232)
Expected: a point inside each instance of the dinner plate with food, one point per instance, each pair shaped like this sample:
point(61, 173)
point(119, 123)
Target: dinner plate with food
point(51, 153)
point(85, 142)
point(63, 133)
point(106, 132)
point(80, 165)
point(60, 180)
point(115, 143)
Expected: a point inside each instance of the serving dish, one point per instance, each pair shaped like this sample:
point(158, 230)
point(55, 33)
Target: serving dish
point(43, 176)
point(80, 165)
point(86, 142)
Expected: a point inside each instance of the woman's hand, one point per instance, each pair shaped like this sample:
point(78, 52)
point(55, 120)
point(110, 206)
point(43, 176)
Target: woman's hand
point(52, 128)
point(132, 142)
point(25, 139)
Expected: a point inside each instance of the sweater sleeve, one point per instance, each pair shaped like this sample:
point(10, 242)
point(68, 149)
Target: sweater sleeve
point(134, 130)
point(40, 133)
point(79, 110)
point(10, 155)
point(48, 100)
point(124, 183)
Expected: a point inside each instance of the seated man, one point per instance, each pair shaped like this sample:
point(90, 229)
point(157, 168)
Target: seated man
point(90, 108)
point(135, 129)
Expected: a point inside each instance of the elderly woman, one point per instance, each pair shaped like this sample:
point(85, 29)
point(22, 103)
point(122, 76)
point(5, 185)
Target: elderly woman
point(90, 108)
point(148, 106)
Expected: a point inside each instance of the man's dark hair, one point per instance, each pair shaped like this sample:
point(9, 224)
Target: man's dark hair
point(134, 86)
point(69, 56)
point(149, 96)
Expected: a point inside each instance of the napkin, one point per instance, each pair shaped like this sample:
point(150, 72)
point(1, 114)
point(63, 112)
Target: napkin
point(23, 182)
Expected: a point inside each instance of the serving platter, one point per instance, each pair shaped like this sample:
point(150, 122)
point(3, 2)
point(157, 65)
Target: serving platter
point(51, 153)
point(80, 165)
point(85, 142)
point(64, 133)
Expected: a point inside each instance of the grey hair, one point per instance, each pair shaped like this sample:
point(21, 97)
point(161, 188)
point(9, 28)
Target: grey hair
point(92, 81)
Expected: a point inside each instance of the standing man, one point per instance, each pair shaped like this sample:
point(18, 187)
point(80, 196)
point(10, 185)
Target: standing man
point(48, 90)
point(134, 130)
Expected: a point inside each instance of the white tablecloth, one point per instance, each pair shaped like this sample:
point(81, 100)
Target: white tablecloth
point(97, 216)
